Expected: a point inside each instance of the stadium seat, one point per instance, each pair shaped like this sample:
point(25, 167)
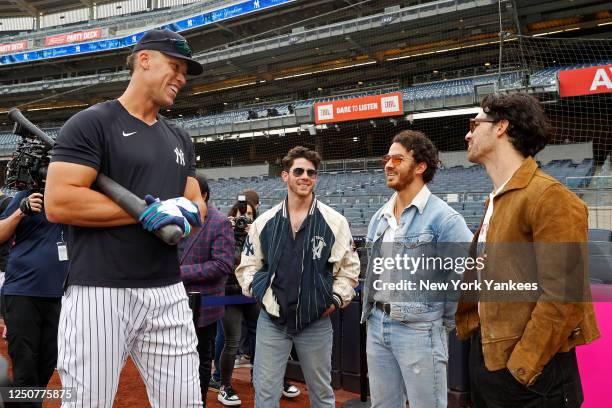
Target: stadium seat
point(600, 235)
point(600, 268)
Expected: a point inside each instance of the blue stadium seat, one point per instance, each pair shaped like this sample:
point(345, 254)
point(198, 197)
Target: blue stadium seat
point(600, 268)
point(596, 234)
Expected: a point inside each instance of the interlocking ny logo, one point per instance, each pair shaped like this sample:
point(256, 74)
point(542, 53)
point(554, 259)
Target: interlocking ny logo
point(248, 247)
point(180, 156)
point(318, 243)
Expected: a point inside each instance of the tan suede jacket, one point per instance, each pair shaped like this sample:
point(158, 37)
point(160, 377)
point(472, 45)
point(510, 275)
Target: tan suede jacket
point(523, 336)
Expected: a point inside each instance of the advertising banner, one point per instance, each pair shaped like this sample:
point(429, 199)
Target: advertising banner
point(367, 107)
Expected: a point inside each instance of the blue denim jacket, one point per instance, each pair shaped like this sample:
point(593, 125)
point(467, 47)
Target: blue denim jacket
point(428, 222)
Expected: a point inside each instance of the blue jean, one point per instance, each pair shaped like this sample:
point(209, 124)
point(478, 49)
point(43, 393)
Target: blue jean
point(406, 361)
point(273, 346)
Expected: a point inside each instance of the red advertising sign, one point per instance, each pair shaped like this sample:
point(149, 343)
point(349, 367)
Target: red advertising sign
point(78, 36)
point(585, 81)
point(367, 107)
point(13, 47)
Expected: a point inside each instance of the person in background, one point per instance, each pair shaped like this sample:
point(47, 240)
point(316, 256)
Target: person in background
point(32, 292)
point(207, 259)
point(241, 215)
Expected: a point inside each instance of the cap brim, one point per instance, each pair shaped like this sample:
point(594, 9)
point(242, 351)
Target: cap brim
point(193, 66)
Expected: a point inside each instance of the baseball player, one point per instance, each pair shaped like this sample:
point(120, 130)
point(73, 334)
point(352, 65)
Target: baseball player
point(123, 293)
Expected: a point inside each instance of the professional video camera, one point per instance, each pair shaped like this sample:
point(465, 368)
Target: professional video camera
point(27, 168)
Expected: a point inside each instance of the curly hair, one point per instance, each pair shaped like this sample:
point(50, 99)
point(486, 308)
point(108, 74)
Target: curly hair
point(301, 152)
point(423, 150)
point(528, 127)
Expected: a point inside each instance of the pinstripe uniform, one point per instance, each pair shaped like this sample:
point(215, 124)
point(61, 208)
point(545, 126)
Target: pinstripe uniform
point(124, 294)
point(102, 326)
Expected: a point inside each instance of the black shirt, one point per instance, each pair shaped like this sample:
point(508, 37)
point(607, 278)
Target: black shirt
point(34, 268)
point(288, 278)
point(156, 160)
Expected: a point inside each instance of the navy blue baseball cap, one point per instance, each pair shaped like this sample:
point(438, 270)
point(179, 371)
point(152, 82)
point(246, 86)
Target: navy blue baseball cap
point(172, 44)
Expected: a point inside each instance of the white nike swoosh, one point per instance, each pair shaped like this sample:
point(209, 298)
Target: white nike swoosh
point(128, 134)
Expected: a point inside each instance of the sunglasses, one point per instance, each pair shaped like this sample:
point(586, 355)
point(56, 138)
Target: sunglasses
point(181, 46)
point(475, 122)
point(298, 171)
point(396, 159)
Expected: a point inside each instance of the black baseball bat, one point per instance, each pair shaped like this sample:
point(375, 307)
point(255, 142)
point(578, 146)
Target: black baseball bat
point(128, 201)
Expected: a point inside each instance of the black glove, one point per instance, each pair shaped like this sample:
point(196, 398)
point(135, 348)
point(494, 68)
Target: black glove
point(25, 207)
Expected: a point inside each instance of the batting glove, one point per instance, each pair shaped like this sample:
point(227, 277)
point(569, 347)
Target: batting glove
point(189, 209)
point(158, 214)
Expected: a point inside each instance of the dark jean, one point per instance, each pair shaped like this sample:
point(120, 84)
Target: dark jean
point(31, 324)
point(219, 341)
point(557, 387)
point(232, 329)
point(206, 343)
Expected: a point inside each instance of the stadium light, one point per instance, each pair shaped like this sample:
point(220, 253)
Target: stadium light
point(326, 70)
point(443, 113)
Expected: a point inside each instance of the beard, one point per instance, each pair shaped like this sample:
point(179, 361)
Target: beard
point(402, 181)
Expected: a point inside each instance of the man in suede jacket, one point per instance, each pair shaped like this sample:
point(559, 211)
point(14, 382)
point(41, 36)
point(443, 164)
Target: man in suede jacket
point(535, 232)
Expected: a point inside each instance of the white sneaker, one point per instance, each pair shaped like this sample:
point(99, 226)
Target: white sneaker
point(290, 390)
point(242, 361)
point(228, 397)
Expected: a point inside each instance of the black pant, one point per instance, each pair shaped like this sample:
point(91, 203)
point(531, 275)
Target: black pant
point(557, 387)
point(206, 346)
point(31, 324)
point(232, 328)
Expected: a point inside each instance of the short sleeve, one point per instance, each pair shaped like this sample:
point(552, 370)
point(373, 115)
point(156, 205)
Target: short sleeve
point(80, 140)
point(13, 205)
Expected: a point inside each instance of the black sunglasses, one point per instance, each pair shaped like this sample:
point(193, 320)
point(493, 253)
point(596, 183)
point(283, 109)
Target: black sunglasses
point(181, 46)
point(298, 171)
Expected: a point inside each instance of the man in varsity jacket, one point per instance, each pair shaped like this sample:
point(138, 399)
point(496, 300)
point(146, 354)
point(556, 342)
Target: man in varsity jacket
point(298, 262)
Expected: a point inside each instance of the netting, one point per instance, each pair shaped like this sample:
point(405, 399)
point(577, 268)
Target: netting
point(259, 93)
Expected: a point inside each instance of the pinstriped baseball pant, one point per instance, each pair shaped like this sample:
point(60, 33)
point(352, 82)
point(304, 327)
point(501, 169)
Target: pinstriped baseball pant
point(100, 327)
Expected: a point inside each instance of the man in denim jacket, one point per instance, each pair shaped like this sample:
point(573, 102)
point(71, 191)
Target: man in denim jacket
point(407, 344)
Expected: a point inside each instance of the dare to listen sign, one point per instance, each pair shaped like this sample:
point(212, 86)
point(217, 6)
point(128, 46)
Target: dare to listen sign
point(366, 107)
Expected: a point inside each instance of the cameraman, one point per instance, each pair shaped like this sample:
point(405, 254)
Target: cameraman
point(241, 215)
point(36, 270)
